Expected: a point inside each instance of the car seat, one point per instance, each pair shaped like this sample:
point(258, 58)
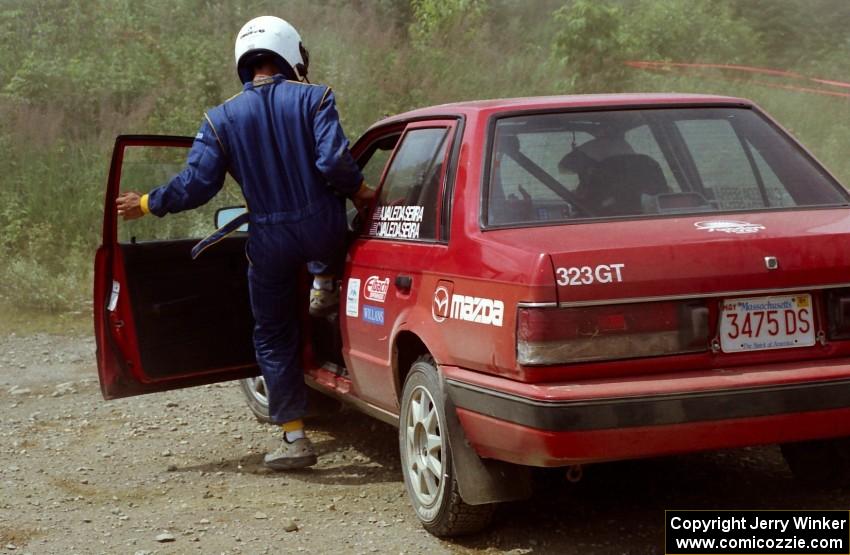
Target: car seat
point(617, 183)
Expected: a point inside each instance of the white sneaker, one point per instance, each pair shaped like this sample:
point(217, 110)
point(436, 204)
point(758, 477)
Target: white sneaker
point(289, 456)
point(323, 302)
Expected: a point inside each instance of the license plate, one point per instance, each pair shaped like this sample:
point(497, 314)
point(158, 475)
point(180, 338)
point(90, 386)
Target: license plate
point(761, 323)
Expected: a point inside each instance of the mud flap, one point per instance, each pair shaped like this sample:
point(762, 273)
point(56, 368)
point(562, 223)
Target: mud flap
point(482, 481)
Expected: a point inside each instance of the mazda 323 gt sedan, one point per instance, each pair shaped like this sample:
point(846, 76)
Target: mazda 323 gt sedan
point(542, 282)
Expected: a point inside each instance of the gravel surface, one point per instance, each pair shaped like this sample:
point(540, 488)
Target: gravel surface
point(181, 472)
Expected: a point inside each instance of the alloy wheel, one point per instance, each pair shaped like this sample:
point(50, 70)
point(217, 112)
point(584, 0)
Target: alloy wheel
point(257, 389)
point(424, 447)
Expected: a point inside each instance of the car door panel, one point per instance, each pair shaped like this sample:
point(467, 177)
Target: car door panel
point(372, 320)
point(162, 320)
point(191, 315)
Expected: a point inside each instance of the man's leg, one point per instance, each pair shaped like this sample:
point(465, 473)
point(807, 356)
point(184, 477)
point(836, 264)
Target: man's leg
point(322, 242)
point(276, 342)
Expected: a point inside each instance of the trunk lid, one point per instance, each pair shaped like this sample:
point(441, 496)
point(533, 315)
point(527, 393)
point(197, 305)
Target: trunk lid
point(695, 287)
point(695, 256)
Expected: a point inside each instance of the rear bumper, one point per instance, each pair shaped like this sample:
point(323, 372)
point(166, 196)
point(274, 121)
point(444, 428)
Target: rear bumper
point(560, 424)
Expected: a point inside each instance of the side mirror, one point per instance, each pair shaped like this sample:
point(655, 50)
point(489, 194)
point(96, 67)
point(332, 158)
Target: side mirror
point(225, 215)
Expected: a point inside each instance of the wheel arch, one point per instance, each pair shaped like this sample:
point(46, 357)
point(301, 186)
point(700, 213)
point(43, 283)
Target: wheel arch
point(480, 481)
point(407, 347)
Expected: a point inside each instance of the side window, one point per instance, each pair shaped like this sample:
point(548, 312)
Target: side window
point(407, 202)
point(374, 160)
point(722, 163)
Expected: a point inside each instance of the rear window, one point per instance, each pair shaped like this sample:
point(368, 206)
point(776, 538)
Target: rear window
point(550, 168)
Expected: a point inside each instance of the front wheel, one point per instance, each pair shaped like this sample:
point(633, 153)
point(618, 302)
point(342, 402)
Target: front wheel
point(426, 458)
point(256, 397)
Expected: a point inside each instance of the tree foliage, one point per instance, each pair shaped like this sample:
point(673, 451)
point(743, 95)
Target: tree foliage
point(595, 39)
point(75, 73)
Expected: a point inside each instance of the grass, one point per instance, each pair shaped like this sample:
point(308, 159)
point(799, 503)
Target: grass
point(53, 193)
point(27, 322)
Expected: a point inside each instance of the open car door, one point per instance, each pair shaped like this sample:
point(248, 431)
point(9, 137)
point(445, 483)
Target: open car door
point(162, 320)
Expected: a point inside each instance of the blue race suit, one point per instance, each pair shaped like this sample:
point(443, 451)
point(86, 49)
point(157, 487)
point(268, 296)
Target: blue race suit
point(283, 143)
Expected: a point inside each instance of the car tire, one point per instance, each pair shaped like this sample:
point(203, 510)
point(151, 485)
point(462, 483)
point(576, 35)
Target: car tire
point(426, 458)
point(254, 390)
point(819, 463)
point(256, 398)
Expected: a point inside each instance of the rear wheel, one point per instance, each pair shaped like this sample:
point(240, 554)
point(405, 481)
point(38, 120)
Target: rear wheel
point(820, 463)
point(426, 458)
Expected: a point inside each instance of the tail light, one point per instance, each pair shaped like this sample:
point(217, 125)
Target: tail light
point(838, 307)
point(582, 334)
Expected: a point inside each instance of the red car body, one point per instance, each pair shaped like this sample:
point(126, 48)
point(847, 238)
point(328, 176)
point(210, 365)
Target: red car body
point(477, 297)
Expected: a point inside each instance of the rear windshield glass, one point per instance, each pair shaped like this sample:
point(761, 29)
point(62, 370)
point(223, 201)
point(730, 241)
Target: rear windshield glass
point(550, 168)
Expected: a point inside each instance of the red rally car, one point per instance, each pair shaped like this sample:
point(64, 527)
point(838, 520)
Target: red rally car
point(542, 282)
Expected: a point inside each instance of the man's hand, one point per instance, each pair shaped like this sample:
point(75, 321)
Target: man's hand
point(129, 205)
point(363, 197)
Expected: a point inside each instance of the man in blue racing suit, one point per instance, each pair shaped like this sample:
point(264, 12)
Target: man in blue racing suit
point(281, 140)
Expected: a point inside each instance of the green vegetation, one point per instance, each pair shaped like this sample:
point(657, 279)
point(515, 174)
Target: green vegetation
point(75, 73)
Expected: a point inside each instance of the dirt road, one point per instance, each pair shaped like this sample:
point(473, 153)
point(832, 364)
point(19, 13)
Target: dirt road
point(182, 472)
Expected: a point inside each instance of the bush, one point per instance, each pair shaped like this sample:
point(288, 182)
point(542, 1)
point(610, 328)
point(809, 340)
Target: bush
point(155, 66)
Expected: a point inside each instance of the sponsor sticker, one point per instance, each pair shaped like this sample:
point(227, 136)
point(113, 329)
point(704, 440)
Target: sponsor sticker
point(352, 298)
point(397, 222)
point(376, 289)
point(729, 226)
point(373, 315)
point(467, 308)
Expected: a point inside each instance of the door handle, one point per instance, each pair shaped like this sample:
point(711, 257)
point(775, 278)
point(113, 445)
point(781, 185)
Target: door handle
point(403, 283)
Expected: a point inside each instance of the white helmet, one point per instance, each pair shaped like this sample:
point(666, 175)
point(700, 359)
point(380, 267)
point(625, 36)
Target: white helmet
point(269, 35)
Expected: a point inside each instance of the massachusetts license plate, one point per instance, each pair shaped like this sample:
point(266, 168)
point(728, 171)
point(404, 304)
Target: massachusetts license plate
point(760, 323)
